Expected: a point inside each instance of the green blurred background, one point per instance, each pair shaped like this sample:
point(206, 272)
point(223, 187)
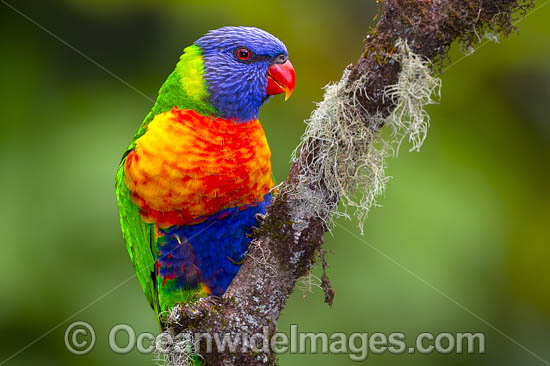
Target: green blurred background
point(469, 214)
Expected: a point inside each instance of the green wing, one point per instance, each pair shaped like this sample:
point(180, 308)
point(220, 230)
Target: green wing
point(140, 239)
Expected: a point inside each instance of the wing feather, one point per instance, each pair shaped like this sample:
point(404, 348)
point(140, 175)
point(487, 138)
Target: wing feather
point(139, 237)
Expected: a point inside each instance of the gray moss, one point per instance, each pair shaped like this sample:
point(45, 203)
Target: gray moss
point(344, 155)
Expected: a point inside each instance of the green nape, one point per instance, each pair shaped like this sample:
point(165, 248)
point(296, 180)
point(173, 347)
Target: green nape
point(184, 88)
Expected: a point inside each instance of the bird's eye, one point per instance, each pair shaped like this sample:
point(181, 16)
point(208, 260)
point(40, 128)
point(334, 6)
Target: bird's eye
point(243, 53)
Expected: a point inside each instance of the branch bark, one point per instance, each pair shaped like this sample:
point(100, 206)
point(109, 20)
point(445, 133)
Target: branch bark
point(288, 242)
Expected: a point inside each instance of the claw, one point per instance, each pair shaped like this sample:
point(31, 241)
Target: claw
point(235, 262)
point(259, 217)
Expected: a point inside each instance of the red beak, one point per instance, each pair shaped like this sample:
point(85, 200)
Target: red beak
point(281, 79)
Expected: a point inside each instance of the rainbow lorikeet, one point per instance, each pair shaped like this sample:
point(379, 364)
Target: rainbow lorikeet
point(198, 171)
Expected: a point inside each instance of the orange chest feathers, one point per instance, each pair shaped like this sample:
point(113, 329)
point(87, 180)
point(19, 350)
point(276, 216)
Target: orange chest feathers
point(187, 167)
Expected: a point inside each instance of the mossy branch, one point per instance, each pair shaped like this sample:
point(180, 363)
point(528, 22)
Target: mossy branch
point(341, 157)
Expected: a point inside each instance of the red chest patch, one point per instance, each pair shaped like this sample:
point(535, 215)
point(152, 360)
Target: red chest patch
point(187, 167)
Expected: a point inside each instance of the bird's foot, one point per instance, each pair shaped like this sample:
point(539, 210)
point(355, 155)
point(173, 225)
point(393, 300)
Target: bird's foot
point(235, 262)
point(260, 217)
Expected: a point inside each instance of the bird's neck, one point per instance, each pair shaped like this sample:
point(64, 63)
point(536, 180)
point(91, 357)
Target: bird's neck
point(185, 87)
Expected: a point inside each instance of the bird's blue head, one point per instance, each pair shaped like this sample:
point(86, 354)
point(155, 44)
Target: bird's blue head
point(243, 66)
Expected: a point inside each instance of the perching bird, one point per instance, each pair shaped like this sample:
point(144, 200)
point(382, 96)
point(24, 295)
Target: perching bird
point(198, 170)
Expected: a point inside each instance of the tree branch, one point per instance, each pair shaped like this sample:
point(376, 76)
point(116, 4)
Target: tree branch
point(289, 240)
